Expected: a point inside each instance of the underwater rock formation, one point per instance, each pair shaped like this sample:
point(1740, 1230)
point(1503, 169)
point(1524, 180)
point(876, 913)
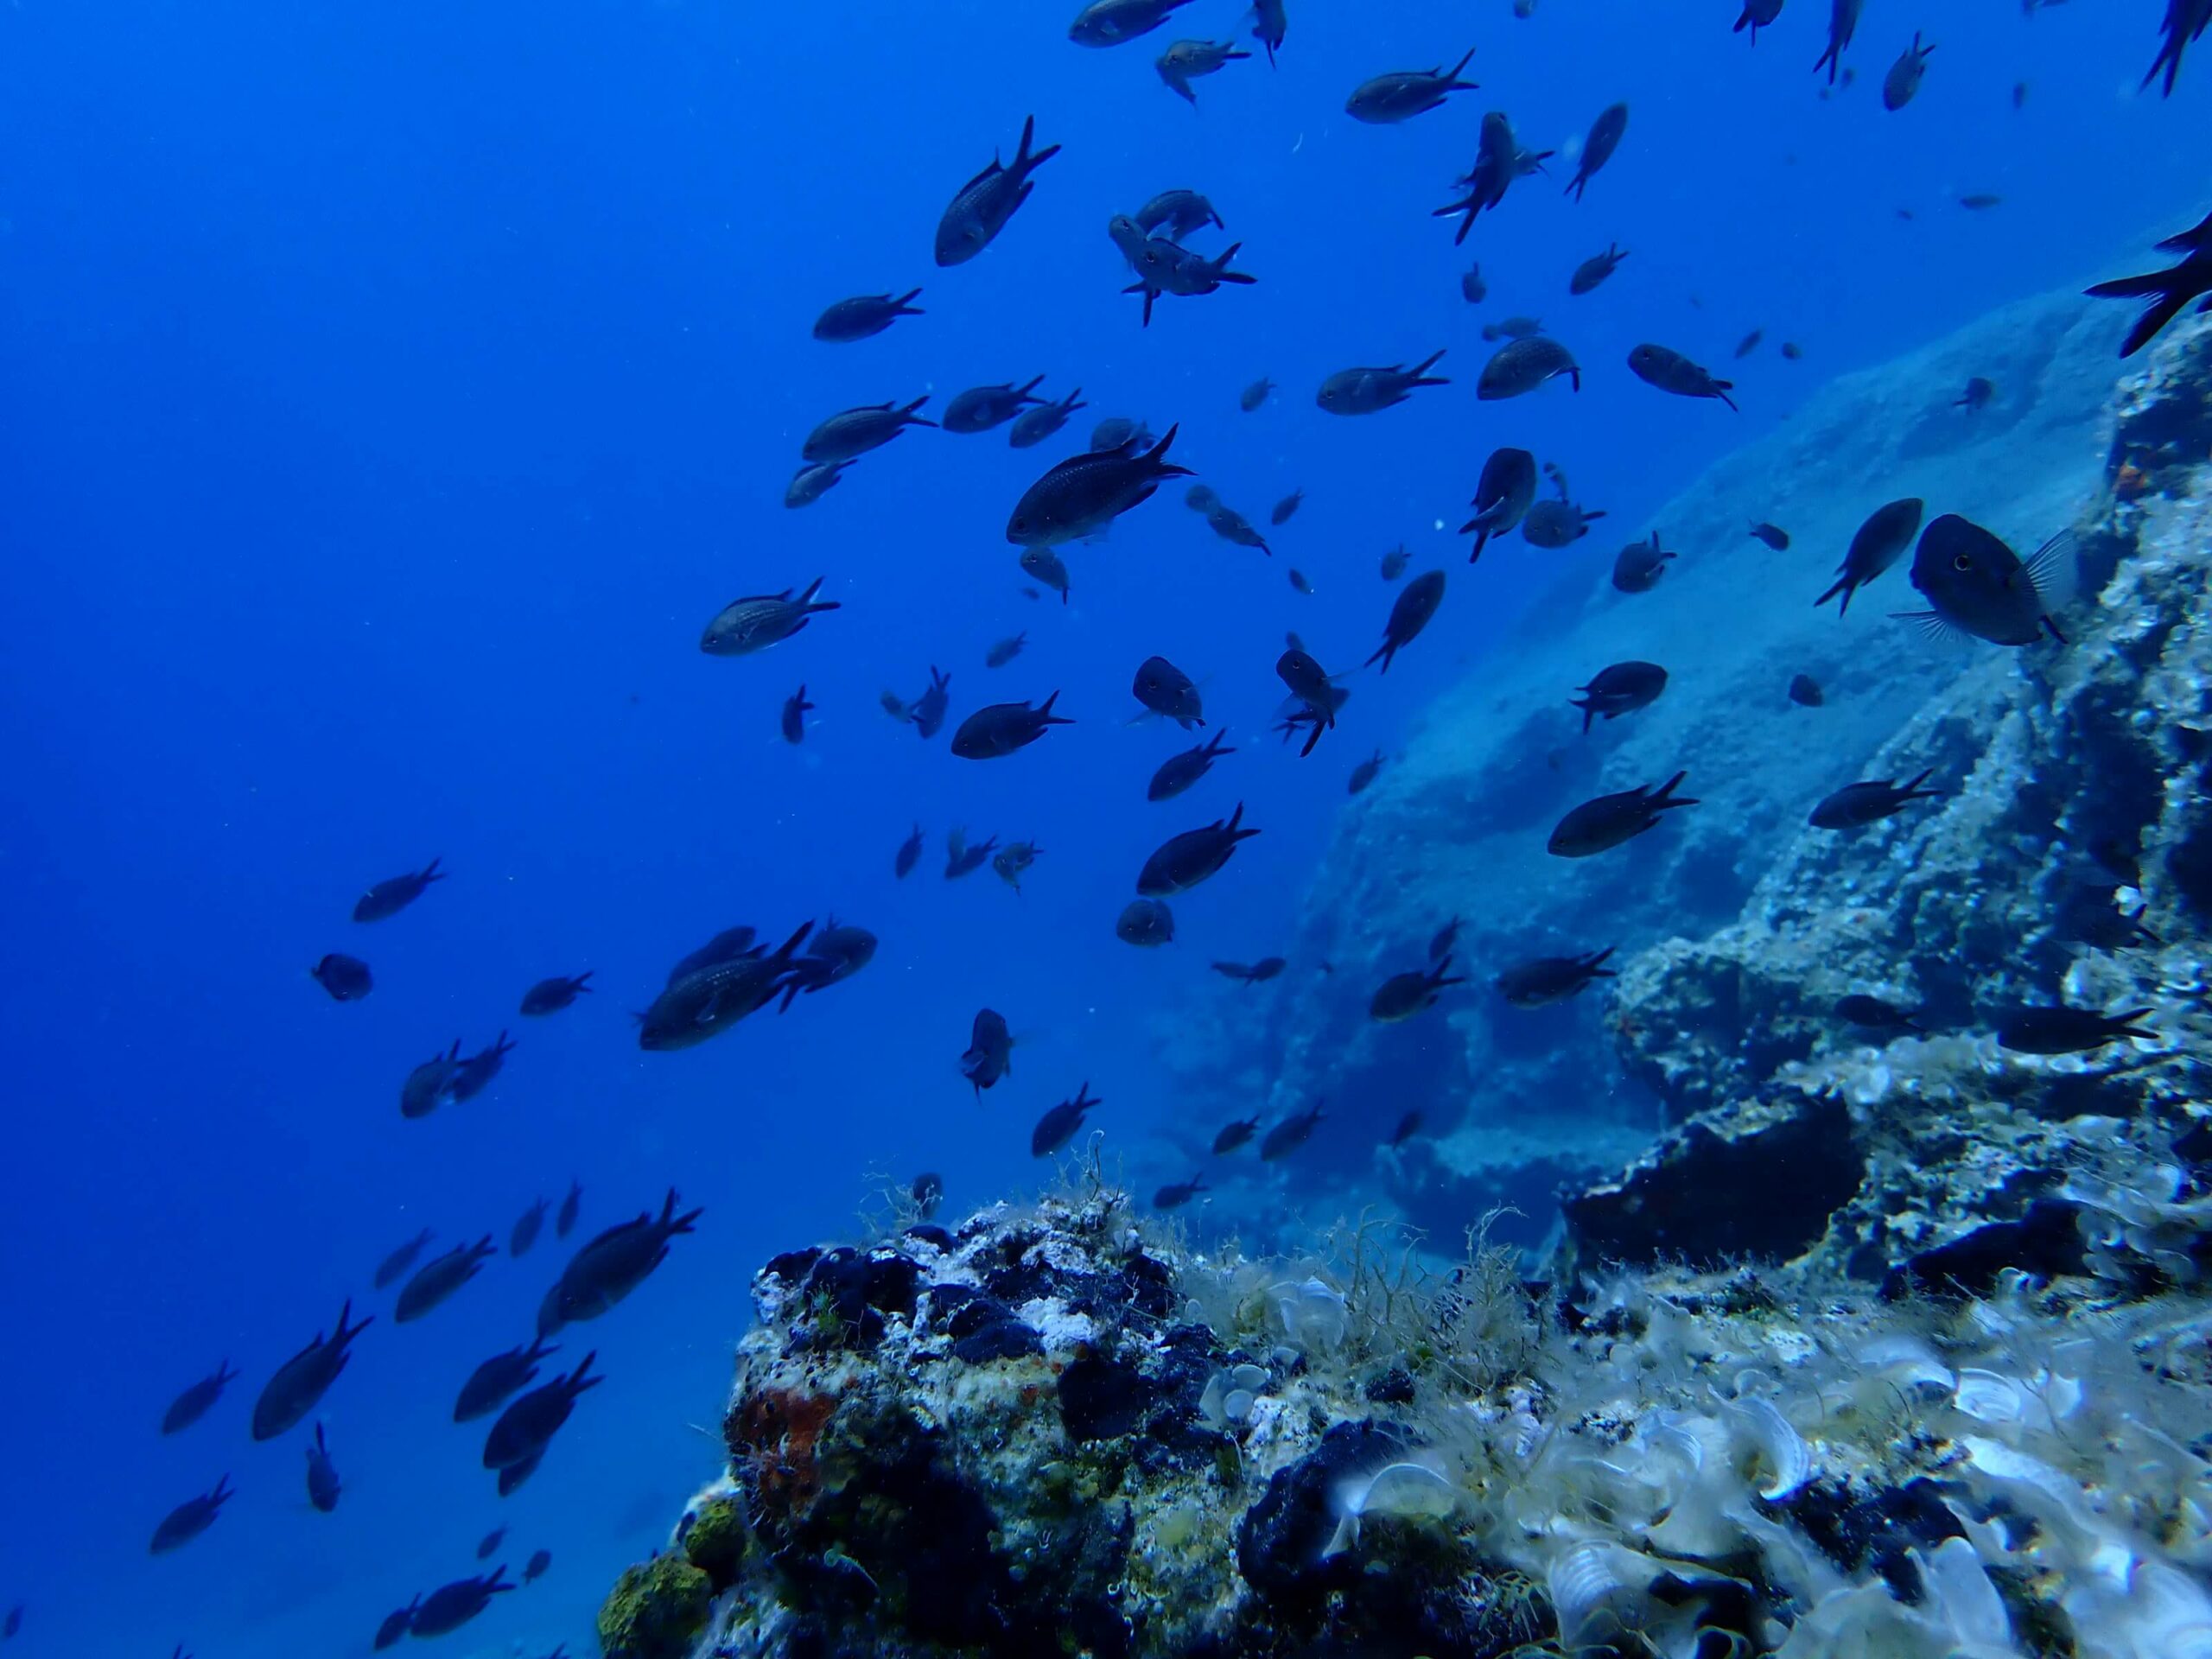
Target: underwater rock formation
point(1339, 1453)
point(2069, 862)
point(1462, 816)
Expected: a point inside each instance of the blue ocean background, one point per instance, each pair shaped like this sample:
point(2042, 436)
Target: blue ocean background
point(392, 394)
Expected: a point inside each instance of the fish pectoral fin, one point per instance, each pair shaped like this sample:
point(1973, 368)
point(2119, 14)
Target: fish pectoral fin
point(1934, 625)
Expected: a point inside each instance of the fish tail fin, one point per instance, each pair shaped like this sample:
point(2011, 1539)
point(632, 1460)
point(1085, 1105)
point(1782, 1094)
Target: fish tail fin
point(1844, 585)
point(1460, 68)
point(1035, 381)
point(905, 306)
point(1025, 158)
point(1044, 712)
point(2123, 1025)
point(1589, 707)
point(912, 419)
point(431, 872)
point(1913, 787)
point(1422, 376)
point(1664, 795)
point(1722, 389)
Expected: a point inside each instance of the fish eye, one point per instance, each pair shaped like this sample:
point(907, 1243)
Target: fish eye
point(1960, 562)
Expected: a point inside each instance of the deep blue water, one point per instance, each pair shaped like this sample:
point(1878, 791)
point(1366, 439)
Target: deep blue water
point(393, 393)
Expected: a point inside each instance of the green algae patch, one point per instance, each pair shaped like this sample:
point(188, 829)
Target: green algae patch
point(715, 1543)
point(655, 1611)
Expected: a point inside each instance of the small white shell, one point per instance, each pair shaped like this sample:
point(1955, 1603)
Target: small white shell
point(1782, 1449)
point(1238, 1405)
point(1987, 1398)
point(1211, 1406)
point(1587, 1590)
point(1251, 1378)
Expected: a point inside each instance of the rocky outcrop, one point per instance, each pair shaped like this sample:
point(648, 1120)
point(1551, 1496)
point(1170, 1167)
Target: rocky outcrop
point(1520, 1099)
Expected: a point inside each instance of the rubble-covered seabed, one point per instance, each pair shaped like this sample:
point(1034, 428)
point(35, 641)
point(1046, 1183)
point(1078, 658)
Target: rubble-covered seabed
point(1895, 1351)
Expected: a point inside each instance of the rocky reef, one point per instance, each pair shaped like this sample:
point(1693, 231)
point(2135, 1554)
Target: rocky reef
point(1058, 1428)
point(1520, 1101)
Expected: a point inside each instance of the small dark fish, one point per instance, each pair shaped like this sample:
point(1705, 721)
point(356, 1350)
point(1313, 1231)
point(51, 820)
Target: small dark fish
point(1176, 1194)
point(322, 1474)
point(813, 481)
point(2169, 291)
point(1000, 728)
point(1291, 1133)
point(440, 1277)
point(1978, 585)
point(499, 1379)
point(551, 995)
point(1182, 862)
point(1594, 270)
point(1978, 395)
point(1903, 81)
point(610, 1267)
point(1757, 14)
point(1040, 421)
point(397, 1624)
point(990, 1051)
point(1409, 1126)
point(1871, 1013)
point(910, 852)
point(534, 1569)
point(1235, 1134)
point(851, 433)
point(2185, 21)
point(565, 1221)
point(1234, 527)
point(1179, 213)
point(1369, 390)
point(401, 1260)
point(1251, 973)
point(1005, 651)
point(1393, 562)
point(1013, 860)
point(1406, 94)
point(2069, 1031)
point(13, 1624)
point(1416, 604)
point(1401, 996)
point(344, 976)
point(1557, 524)
point(1856, 805)
point(1843, 22)
point(1981, 200)
point(301, 1381)
point(1179, 772)
point(1270, 22)
point(391, 896)
point(1086, 493)
point(760, 620)
point(1312, 687)
point(1875, 546)
point(1058, 1126)
point(1115, 22)
point(1805, 691)
point(1145, 922)
point(927, 1193)
point(189, 1407)
point(1514, 329)
point(835, 954)
point(982, 207)
point(489, 1543)
point(474, 1075)
point(431, 1084)
point(1620, 688)
point(1187, 61)
point(1503, 496)
point(528, 1226)
point(190, 1518)
point(1544, 980)
point(1639, 566)
point(981, 408)
point(1598, 149)
point(1669, 371)
point(1609, 821)
point(1162, 266)
point(1749, 342)
point(960, 859)
point(793, 721)
point(1255, 395)
point(1168, 691)
point(1045, 564)
point(1792, 350)
point(1497, 163)
point(452, 1605)
point(1115, 431)
point(929, 709)
point(712, 998)
point(1472, 289)
point(1363, 774)
point(1286, 507)
point(1773, 535)
point(865, 315)
point(1524, 363)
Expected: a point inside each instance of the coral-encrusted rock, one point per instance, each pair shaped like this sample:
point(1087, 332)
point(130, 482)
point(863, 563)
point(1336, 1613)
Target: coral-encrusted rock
point(1759, 1181)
